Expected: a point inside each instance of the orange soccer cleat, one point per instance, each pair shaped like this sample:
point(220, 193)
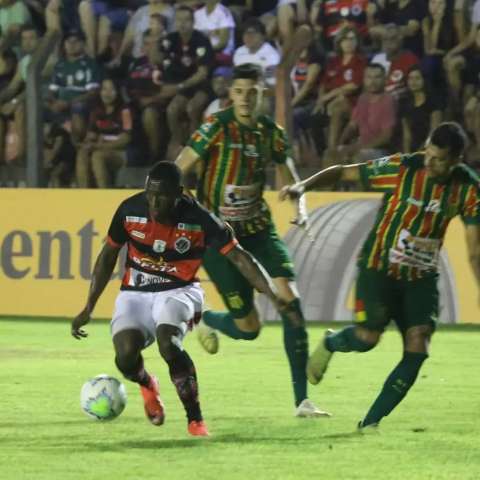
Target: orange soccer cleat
point(198, 428)
point(154, 408)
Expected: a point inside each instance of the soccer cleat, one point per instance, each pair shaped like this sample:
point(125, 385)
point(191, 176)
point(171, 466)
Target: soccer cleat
point(208, 338)
point(307, 409)
point(198, 428)
point(154, 408)
point(318, 361)
point(372, 428)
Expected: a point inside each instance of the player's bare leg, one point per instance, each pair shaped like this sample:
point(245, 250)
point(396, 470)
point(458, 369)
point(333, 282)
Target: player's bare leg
point(128, 358)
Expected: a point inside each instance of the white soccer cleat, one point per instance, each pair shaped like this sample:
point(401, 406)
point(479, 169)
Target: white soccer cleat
point(371, 429)
point(318, 361)
point(307, 409)
point(207, 337)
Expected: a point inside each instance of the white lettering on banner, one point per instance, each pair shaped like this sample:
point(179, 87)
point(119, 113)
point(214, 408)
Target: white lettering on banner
point(410, 251)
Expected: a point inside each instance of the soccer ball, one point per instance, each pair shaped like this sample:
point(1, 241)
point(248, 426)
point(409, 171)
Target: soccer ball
point(103, 397)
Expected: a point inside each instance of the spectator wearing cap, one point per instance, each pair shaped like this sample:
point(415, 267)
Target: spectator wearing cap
point(257, 50)
point(186, 66)
point(12, 97)
point(220, 87)
point(216, 22)
point(13, 16)
point(157, 16)
point(104, 150)
point(420, 111)
point(75, 81)
point(341, 82)
point(371, 126)
point(396, 61)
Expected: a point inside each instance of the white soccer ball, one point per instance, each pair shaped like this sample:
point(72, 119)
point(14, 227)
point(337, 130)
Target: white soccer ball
point(103, 397)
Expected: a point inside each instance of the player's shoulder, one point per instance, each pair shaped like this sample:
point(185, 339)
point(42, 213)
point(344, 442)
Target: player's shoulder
point(466, 175)
point(268, 122)
point(412, 160)
point(135, 205)
point(191, 212)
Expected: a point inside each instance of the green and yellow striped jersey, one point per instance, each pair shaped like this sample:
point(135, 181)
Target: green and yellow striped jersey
point(410, 226)
point(233, 176)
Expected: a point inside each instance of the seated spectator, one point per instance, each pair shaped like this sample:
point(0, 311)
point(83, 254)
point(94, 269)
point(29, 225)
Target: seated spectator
point(148, 97)
point(341, 82)
point(220, 87)
point(408, 16)
point(187, 61)
point(420, 112)
point(98, 19)
point(13, 16)
point(370, 129)
point(396, 61)
point(328, 17)
point(12, 97)
point(257, 50)
point(217, 23)
point(59, 155)
point(157, 17)
point(103, 152)
point(75, 81)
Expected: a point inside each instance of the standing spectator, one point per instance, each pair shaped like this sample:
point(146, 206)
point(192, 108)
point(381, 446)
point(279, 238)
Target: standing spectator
point(420, 112)
point(13, 16)
point(216, 21)
point(157, 11)
point(396, 61)
point(76, 79)
point(408, 16)
point(341, 82)
point(373, 120)
point(257, 50)
point(12, 96)
point(186, 66)
point(103, 152)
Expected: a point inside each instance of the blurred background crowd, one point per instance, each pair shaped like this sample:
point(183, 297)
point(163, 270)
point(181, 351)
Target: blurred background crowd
point(129, 80)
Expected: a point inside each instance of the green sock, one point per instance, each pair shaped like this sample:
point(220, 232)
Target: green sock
point(295, 340)
point(225, 323)
point(346, 341)
point(396, 387)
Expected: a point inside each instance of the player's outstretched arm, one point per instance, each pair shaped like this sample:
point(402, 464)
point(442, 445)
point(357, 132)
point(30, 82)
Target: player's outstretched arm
point(187, 159)
point(102, 273)
point(472, 233)
point(324, 178)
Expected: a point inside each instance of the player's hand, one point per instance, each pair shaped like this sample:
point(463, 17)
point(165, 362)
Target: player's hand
point(79, 321)
point(291, 191)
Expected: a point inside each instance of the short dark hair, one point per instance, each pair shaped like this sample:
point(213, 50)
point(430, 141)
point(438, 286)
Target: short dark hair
point(167, 172)
point(256, 24)
point(377, 66)
point(185, 8)
point(249, 71)
point(28, 27)
point(450, 135)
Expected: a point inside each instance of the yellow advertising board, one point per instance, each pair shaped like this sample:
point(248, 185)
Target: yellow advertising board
point(49, 240)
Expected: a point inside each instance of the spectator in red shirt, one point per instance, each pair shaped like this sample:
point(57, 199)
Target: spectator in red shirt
point(103, 151)
point(396, 61)
point(341, 82)
point(372, 123)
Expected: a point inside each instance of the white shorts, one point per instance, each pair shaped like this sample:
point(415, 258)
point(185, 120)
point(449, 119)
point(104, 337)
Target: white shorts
point(145, 311)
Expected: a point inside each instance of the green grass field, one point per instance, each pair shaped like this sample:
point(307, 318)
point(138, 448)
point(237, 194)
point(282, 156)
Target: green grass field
point(247, 403)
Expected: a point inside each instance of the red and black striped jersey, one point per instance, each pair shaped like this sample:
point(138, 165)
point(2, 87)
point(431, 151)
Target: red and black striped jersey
point(165, 256)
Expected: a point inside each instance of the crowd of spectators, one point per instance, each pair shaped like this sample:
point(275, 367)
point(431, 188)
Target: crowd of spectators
point(130, 80)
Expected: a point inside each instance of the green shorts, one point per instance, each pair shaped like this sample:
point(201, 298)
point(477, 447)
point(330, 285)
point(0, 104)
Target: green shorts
point(380, 298)
point(268, 249)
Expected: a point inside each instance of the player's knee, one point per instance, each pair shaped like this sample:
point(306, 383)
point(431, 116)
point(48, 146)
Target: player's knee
point(368, 338)
point(168, 346)
point(417, 339)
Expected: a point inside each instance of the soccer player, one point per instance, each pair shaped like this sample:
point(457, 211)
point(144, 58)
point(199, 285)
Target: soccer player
point(397, 276)
point(233, 149)
point(166, 234)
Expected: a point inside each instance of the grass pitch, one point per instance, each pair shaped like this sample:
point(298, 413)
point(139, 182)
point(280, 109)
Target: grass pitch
point(247, 403)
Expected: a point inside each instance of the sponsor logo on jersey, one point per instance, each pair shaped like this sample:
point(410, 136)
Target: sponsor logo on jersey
point(159, 246)
point(142, 279)
point(182, 245)
point(130, 219)
point(191, 227)
point(136, 233)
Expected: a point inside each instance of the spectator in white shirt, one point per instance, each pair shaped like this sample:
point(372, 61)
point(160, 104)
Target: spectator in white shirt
point(257, 50)
point(216, 21)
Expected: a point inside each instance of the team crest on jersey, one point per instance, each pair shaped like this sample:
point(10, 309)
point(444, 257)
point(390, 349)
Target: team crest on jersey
point(182, 245)
point(159, 246)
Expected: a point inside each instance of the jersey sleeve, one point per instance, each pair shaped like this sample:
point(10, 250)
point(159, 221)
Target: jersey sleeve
point(205, 137)
point(117, 235)
point(218, 234)
point(381, 174)
point(280, 146)
point(470, 212)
